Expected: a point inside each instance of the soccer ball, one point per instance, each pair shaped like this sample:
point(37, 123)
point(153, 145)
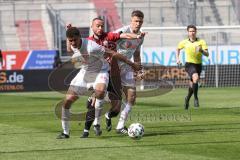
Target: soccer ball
point(136, 131)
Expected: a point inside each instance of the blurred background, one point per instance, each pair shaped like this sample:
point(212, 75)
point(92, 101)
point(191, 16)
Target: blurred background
point(32, 32)
point(40, 24)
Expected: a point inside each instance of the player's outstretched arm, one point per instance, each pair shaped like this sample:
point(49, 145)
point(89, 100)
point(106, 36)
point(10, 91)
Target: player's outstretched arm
point(132, 35)
point(113, 54)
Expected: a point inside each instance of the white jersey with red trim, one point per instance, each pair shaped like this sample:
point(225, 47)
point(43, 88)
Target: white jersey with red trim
point(94, 68)
point(91, 55)
point(127, 47)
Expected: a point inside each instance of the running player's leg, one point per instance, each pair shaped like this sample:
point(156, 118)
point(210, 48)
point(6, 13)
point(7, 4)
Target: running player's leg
point(113, 111)
point(130, 93)
point(195, 79)
point(77, 88)
point(129, 89)
point(70, 98)
point(189, 95)
point(100, 87)
point(99, 94)
point(90, 115)
point(115, 96)
point(193, 71)
point(189, 70)
point(114, 93)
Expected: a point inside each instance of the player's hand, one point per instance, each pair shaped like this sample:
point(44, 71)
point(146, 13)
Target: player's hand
point(199, 49)
point(141, 35)
point(139, 75)
point(136, 66)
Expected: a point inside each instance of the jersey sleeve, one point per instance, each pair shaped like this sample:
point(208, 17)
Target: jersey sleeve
point(113, 36)
point(204, 45)
point(181, 44)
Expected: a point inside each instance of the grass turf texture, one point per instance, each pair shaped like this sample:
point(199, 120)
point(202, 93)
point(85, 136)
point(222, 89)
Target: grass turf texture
point(28, 128)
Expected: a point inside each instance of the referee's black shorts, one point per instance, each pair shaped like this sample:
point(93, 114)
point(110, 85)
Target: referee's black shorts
point(192, 68)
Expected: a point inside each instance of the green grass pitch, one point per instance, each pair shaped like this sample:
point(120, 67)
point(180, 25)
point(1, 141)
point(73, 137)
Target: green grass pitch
point(28, 129)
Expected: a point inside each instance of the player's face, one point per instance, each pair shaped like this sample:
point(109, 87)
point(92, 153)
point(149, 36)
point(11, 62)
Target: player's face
point(136, 23)
point(97, 27)
point(74, 41)
point(192, 33)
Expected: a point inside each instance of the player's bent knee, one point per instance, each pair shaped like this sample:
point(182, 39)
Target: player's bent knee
point(195, 78)
point(71, 96)
point(67, 103)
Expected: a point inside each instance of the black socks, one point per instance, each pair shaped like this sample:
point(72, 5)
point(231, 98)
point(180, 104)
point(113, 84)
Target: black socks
point(195, 90)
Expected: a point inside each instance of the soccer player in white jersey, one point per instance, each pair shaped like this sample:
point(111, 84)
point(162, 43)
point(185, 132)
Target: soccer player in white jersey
point(130, 49)
point(93, 73)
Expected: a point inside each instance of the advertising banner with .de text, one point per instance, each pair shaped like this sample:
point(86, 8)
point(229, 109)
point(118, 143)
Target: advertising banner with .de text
point(24, 80)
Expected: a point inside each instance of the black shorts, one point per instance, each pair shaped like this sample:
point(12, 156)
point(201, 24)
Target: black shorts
point(114, 88)
point(192, 68)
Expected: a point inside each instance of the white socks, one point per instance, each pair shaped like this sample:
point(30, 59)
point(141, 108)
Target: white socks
point(98, 111)
point(124, 115)
point(65, 120)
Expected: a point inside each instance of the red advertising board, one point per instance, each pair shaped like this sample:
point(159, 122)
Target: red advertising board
point(13, 60)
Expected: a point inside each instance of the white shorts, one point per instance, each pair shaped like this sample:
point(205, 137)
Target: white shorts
point(85, 80)
point(127, 76)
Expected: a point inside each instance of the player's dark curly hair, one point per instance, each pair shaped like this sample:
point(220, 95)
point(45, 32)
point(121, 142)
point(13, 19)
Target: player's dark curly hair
point(73, 32)
point(137, 13)
point(191, 26)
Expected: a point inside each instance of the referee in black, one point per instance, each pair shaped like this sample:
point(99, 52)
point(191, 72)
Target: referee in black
point(194, 48)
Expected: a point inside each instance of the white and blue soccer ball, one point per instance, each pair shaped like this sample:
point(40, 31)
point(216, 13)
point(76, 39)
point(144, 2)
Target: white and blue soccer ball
point(136, 131)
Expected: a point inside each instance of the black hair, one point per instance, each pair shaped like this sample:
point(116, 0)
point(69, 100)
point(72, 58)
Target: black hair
point(191, 26)
point(73, 32)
